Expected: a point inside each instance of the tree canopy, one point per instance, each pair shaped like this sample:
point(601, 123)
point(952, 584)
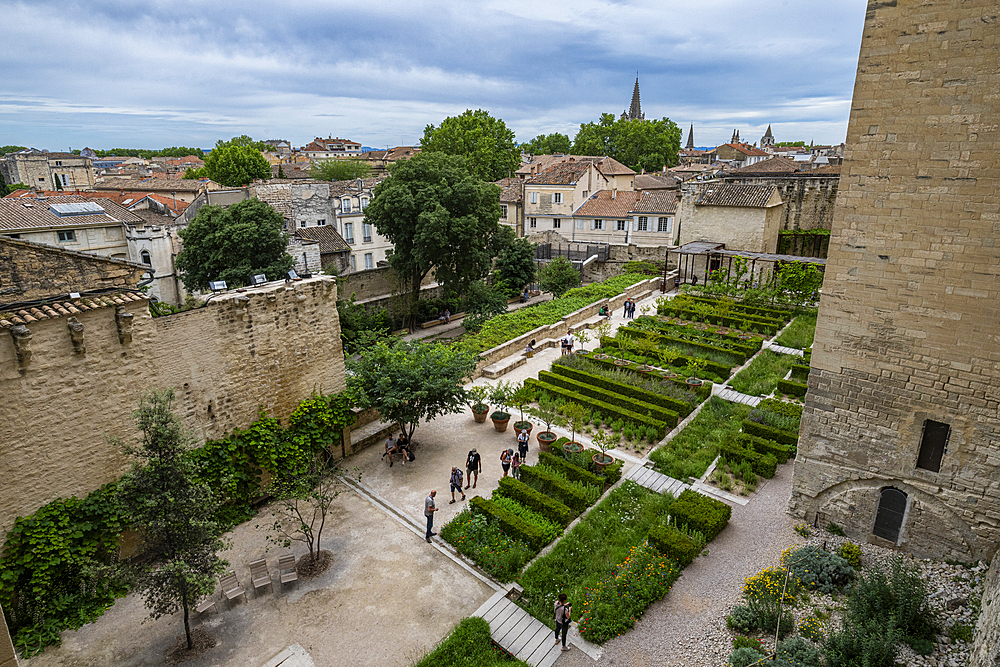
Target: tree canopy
point(485, 142)
point(10, 149)
point(173, 151)
point(340, 170)
point(173, 513)
point(515, 265)
point(558, 276)
point(638, 144)
point(547, 144)
point(410, 381)
point(233, 244)
point(235, 163)
point(793, 144)
point(437, 216)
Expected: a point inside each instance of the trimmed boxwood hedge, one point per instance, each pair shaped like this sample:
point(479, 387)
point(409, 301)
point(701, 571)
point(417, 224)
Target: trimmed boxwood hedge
point(572, 472)
point(750, 347)
point(760, 325)
point(513, 526)
point(800, 372)
point(763, 446)
point(547, 483)
point(612, 473)
point(738, 356)
point(768, 433)
point(680, 407)
point(710, 366)
point(702, 391)
point(673, 544)
point(548, 507)
point(775, 313)
point(764, 465)
point(792, 388)
point(611, 397)
point(607, 409)
point(697, 512)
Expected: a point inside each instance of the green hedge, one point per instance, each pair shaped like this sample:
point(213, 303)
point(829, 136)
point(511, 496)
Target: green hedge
point(792, 388)
point(550, 508)
point(551, 485)
point(768, 433)
point(703, 391)
point(672, 404)
point(764, 446)
point(800, 372)
point(760, 325)
point(738, 356)
point(612, 473)
point(669, 417)
point(513, 526)
point(764, 465)
point(751, 346)
point(697, 512)
point(573, 472)
point(673, 544)
point(606, 409)
point(774, 313)
point(710, 366)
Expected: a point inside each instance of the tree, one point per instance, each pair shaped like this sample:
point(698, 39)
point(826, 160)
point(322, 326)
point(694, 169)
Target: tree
point(233, 244)
point(794, 144)
point(437, 216)
point(174, 515)
point(547, 144)
point(558, 276)
point(485, 303)
point(515, 265)
point(237, 162)
point(638, 144)
point(340, 170)
point(410, 381)
point(10, 149)
point(13, 187)
point(483, 140)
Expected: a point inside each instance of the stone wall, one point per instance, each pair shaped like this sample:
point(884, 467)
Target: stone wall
point(907, 320)
point(34, 270)
point(8, 658)
point(986, 644)
point(375, 284)
point(268, 347)
point(808, 200)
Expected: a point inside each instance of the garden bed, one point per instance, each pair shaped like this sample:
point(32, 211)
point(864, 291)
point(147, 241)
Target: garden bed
point(799, 334)
point(690, 452)
point(468, 644)
point(761, 377)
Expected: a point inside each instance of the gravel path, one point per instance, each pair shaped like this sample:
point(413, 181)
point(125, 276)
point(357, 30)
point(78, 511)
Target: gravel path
point(688, 627)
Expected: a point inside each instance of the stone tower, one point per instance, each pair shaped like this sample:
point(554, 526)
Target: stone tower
point(736, 137)
point(900, 437)
point(767, 141)
point(690, 143)
point(635, 109)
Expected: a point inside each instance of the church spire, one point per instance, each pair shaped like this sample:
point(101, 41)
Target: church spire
point(635, 109)
point(690, 143)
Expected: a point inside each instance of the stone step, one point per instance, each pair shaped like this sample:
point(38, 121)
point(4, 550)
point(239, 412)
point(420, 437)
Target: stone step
point(504, 366)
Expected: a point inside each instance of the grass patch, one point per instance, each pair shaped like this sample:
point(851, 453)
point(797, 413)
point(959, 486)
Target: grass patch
point(593, 550)
point(762, 375)
point(692, 450)
point(799, 333)
point(483, 541)
point(469, 644)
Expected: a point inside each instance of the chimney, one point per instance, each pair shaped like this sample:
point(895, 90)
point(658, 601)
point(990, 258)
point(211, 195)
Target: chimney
point(614, 193)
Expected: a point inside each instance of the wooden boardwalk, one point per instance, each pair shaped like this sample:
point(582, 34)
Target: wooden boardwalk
point(785, 350)
point(518, 632)
point(655, 481)
point(734, 396)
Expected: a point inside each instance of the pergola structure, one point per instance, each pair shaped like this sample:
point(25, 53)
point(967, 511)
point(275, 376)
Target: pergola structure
point(715, 255)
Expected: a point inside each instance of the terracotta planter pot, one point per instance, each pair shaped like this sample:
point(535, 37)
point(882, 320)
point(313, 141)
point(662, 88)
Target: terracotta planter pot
point(644, 369)
point(500, 420)
point(602, 461)
point(572, 447)
point(744, 336)
point(480, 415)
point(622, 362)
point(695, 382)
point(601, 356)
point(545, 440)
point(580, 351)
point(669, 375)
point(523, 427)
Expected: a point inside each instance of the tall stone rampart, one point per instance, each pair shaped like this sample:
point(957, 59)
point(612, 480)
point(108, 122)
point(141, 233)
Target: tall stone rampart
point(268, 347)
point(986, 642)
point(900, 437)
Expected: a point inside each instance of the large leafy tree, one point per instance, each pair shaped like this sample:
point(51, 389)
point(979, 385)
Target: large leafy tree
point(233, 244)
point(410, 381)
point(547, 144)
point(485, 142)
point(638, 144)
point(236, 162)
point(515, 265)
point(175, 515)
point(437, 216)
point(340, 170)
point(558, 276)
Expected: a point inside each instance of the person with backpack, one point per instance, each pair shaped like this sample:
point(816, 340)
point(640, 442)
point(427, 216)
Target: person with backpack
point(456, 484)
point(473, 466)
point(564, 612)
point(505, 458)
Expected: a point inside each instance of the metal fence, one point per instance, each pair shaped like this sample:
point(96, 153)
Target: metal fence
point(575, 252)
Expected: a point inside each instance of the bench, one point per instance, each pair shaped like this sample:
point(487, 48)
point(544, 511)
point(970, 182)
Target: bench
point(435, 322)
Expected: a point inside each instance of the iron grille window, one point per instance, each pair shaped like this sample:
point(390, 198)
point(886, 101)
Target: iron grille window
point(933, 444)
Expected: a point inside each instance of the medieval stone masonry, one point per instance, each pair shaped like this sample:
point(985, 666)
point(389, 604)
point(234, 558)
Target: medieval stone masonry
point(900, 439)
point(73, 381)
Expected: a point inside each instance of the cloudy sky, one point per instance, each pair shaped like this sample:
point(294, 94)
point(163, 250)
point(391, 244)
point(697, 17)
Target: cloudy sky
point(153, 73)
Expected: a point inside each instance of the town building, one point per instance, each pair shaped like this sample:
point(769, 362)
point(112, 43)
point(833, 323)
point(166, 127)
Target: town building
point(95, 226)
point(48, 171)
point(767, 141)
point(512, 204)
point(738, 154)
point(380, 160)
point(330, 148)
point(183, 190)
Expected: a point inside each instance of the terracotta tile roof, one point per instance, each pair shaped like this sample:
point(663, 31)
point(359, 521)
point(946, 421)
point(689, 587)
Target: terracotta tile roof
point(564, 173)
point(511, 191)
point(656, 201)
point(602, 205)
point(341, 188)
point(825, 170)
point(656, 181)
point(329, 239)
point(20, 214)
point(747, 150)
point(730, 194)
point(777, 164)
point(149, 184)
point(65, 308)
point(612, 167)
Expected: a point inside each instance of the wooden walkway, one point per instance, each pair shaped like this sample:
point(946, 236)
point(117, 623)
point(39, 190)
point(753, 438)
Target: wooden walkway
point(785, 350)
point(655, 481)
point(734, 396)
point(518, 632)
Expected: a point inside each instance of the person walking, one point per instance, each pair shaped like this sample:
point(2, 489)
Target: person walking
point(429, 509)
point(631, 308)
point(570, 342)
point(522, 445)
point(625, 309)
point(564, 611)
point(456, 484)
point(473, 466)
point(515, 465)
point(505, 457)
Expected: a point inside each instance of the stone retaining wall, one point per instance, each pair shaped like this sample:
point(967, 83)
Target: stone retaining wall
point(986, 644)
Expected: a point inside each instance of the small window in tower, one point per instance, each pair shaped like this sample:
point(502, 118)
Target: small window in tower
point(146, 259)
point(933, 444)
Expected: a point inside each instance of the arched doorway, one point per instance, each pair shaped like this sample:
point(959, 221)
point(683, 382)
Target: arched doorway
point(889, 518)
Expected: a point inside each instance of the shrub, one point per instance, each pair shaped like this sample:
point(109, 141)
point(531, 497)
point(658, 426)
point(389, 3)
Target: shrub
point(834, 529)
point(697, 512)
point(898, 594)
point(792, 388)
point(817, 569)
point(850, 552)
point(572, 472)
point(803, 529)
point(745, 656)
point(548, 507)
point(741, 641)
point(468, 644)
point(764, 465)
point(764, 446)
point(797, 651)
point(550, 529)
point(584, 459)
point(592, 403)
point(690, 452)
point(768, 433)
point(556, 486)
point(778, 414)
point(874, 643)
point(682, 408)
point(763, 373)
point(483, 541)
point(742, 619)
point(800, 373)
point(673, 544)
point(626, 403)
point(811, 628)
point(511, 524)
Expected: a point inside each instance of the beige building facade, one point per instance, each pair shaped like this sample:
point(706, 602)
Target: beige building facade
point(48, 171)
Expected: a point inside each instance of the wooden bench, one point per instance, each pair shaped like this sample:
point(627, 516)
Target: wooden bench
point(435, 322)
